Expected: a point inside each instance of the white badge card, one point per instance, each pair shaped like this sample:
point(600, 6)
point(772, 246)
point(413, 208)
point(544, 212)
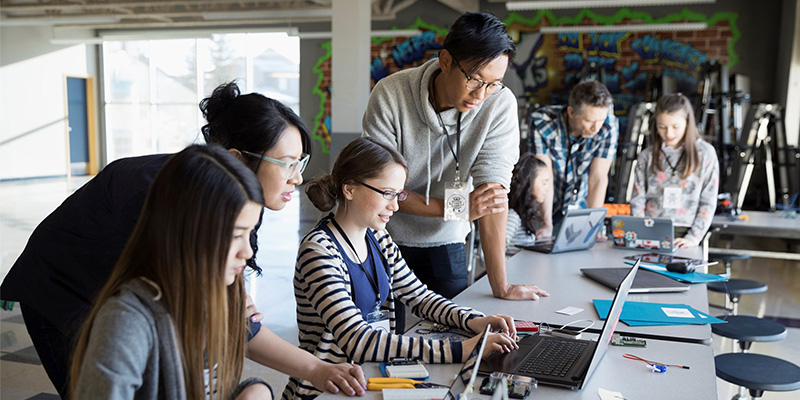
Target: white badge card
point(379, 319)
point(672, 197)
point(456, 202)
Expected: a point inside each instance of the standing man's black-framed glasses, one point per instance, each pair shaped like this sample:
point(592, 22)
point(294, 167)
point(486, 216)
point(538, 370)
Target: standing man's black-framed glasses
point(475, 83)
point(387, 194)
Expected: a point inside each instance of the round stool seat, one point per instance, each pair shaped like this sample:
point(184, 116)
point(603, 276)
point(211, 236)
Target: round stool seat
point(738, 287)
point(727, 256)
point(745, 328)
point(758, 372)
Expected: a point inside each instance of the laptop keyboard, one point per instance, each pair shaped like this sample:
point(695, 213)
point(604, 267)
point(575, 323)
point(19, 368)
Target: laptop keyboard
point(555, 359)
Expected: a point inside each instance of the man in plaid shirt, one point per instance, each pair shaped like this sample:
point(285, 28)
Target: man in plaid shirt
point(579, 143)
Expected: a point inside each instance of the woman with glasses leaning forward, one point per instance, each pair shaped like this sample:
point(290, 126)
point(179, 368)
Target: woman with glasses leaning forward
point(456, 124)
point(70, 255)
point(350, 274)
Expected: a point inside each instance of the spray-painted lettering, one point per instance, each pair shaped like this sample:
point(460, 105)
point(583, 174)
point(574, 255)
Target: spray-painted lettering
point(414, 49)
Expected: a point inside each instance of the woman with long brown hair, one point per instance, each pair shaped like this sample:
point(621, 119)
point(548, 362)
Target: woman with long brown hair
point(677, 177)
point(530, 186)
point(174, 306)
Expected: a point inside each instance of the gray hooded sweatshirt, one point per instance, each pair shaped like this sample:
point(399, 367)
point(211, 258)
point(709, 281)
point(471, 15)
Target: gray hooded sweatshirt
point(400, 115)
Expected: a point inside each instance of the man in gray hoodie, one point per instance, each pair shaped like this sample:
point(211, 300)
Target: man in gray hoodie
point(453, 120)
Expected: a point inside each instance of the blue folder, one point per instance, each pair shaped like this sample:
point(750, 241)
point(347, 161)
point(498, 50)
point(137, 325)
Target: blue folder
point(693, 277)
point(636, 313)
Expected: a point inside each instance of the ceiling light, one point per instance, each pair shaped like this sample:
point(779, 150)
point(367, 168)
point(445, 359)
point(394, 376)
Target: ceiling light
point(46, 21)
point(553, 5)
point(687, 26)
point(268, 14)
point(385, 33)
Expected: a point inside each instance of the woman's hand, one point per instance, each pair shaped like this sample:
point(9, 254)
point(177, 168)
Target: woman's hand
point(497, 321)
point(494, 342)
point(349, 378)
point(684, 242)
point(252, 313)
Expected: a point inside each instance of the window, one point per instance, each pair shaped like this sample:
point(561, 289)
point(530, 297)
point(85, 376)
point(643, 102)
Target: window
point(153, 87)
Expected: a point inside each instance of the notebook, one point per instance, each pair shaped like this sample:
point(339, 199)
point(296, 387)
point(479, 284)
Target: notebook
point(656, 234)
point(559, 361)
point(578, 231)
point(645, 282)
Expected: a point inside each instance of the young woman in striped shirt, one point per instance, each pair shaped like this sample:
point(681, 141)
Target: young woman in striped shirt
point(350, 274)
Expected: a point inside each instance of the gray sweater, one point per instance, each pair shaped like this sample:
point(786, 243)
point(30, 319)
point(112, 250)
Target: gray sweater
point(132, 351)
point(399, 114)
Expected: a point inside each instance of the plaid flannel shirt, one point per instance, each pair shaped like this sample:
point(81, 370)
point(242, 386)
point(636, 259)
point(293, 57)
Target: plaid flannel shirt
point(550, 137)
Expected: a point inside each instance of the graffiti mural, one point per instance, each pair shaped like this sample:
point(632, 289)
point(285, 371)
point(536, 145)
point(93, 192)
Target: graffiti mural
point(548, 65)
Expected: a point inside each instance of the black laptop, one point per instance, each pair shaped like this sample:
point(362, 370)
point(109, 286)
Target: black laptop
point(645, 282)
point(578, 231)
point(559, 361)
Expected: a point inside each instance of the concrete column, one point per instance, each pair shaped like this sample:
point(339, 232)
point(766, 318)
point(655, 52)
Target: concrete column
point(351, 26)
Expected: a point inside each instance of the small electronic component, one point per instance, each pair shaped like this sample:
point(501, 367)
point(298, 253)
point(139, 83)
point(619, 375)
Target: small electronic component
point(404, 361)
point(519, 387)
point(618, 340)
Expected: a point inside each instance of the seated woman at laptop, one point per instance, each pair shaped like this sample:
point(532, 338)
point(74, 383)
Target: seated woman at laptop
point(350, 274)
point(529, 186)
point(677, 177)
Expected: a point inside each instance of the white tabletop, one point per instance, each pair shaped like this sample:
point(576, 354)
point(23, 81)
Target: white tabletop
point(560, 275)
point(632, 378)
point(759, 223)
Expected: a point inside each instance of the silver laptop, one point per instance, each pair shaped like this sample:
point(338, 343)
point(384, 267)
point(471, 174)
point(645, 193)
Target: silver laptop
point(578, 231)
point(645, 282)
point(560, 361)
point(655, 234)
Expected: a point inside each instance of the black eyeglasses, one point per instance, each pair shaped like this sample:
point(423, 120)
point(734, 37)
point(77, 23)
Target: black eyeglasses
point(475, 83)
point(387, 194)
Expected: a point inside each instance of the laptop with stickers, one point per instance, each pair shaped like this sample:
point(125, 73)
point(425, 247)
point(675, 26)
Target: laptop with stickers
point(655, 234)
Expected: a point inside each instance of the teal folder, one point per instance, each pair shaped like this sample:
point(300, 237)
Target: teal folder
point(636, 313)
point(694, 277)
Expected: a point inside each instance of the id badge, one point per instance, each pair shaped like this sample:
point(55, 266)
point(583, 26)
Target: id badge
point(672, 198)
point(456, 202)
point(379, 320)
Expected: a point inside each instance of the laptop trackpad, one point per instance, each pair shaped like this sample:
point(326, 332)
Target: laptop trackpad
point(508, 362)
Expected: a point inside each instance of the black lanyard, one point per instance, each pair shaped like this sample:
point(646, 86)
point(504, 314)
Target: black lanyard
point(576, 181)
point(372, 281)
point(672, 168)
point(457, 152)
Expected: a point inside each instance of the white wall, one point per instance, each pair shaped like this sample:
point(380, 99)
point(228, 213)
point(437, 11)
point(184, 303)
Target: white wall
point(33, 99)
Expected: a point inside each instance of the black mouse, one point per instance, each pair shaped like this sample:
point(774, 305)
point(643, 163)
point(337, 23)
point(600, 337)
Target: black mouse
point(681, 267)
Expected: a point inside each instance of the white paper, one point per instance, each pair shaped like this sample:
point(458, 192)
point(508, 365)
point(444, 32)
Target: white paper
point(677, 312)
point(672, 198)
point(609, 395)
point(569, 310)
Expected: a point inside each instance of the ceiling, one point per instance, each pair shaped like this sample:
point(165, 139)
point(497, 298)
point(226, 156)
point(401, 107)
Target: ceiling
point(129, 14)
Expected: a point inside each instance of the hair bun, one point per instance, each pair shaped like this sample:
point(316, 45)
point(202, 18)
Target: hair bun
point(220, 99)
point(323, 192)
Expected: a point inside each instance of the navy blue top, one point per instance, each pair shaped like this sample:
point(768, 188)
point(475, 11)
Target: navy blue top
point(363, 292)
point(70, 255)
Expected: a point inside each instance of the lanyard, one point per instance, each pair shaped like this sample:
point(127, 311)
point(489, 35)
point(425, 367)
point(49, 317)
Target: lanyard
point(457, 152)
point(672, 168)
point(576, 178)
point(361, 264)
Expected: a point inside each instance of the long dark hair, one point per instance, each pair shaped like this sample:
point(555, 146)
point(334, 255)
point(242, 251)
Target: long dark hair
point(475, 39)
point(520, 197)
point(181, 243)
point(676, 103)
point(361, 159)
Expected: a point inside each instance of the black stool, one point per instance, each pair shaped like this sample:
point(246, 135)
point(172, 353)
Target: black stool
point(746, 330)
point(728, 259)
point(757, 373)
point(735, 288)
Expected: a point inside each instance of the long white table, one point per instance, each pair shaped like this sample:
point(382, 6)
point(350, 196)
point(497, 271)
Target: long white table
point(632, 378)
point(560, 275)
